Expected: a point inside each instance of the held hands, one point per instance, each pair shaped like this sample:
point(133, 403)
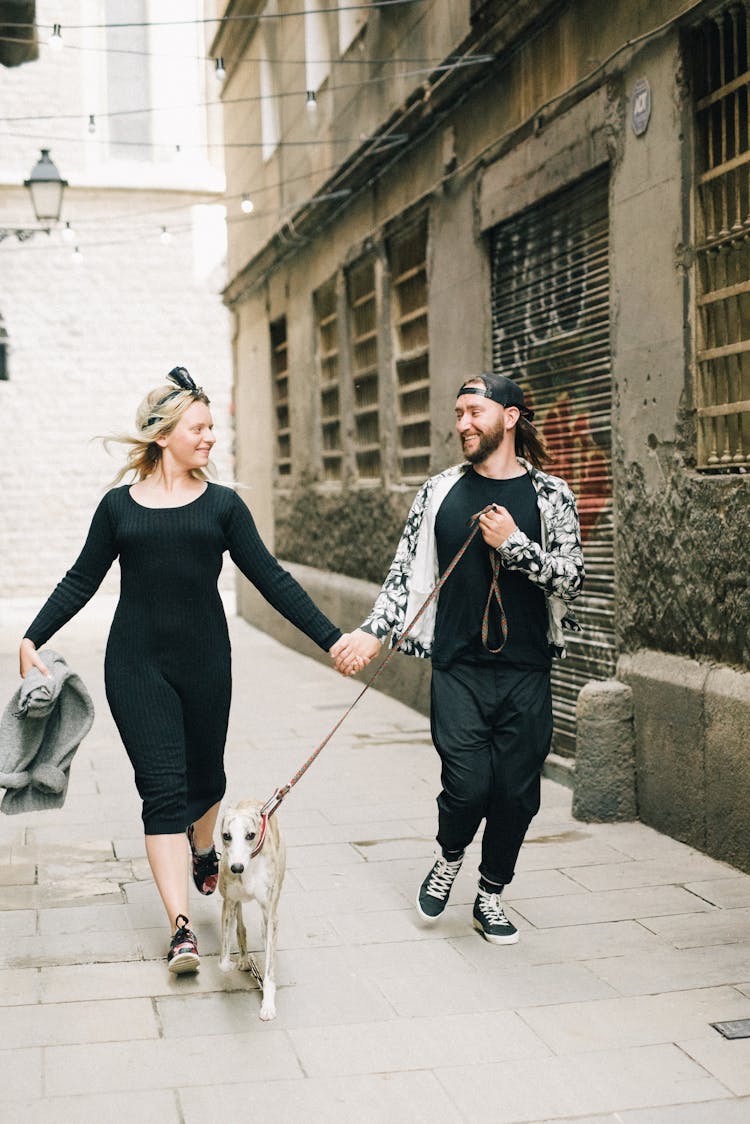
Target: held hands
point(354, 651)
point(29, 658)
point(496, 525)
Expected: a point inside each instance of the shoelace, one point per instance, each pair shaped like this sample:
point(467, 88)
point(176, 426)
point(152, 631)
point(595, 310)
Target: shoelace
point(183, 935)
point(491, 906)
point(442, 877)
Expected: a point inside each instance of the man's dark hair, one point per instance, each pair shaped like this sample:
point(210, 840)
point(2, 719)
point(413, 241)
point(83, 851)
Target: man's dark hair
point(530, 444)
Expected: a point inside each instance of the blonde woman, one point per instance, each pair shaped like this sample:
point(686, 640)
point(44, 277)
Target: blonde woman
point(167, 665)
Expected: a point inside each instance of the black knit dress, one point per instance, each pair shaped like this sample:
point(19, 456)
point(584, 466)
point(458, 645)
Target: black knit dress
point(167, 667)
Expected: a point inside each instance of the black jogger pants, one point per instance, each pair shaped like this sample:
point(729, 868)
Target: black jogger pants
point(492, 727)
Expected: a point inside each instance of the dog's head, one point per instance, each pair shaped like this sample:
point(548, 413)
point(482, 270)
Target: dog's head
point(240, 831)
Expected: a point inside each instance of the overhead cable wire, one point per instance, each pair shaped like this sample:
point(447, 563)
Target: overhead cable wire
point(205, 20)
point(473, 60)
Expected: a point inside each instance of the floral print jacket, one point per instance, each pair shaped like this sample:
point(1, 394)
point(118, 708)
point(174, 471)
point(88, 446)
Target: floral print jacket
point(556, 565)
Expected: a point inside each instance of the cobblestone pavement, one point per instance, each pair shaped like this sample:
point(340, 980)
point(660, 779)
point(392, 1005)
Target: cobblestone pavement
point(631, 943)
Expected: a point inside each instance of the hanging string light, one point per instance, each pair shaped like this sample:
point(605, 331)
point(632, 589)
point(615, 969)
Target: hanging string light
point(247, 204)
point(311, 104)
point(165, 237)
point(220, 71)
point(67, 233)
point(77, 256)
point(55, 39)
point(92, 123)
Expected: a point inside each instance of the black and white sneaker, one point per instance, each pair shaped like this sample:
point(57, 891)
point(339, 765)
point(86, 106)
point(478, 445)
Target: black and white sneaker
point(435, 890)
point(183, 950)
point(490, 919)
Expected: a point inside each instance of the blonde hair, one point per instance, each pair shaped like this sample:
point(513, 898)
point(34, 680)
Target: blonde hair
point(156, 416)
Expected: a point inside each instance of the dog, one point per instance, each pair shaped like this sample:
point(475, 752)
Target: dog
point(244, 878)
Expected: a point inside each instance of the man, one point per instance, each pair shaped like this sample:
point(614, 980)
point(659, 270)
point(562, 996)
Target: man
point(491, 707)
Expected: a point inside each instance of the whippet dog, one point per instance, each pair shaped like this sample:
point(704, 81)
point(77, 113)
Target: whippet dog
point(253, 861)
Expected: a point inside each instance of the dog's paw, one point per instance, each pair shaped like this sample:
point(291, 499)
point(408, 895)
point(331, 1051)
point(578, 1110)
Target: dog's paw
point(245, 963)
point(225, 964)
point(268, 1012)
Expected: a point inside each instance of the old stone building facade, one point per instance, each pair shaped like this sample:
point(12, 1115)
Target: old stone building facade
point(555, 190)
point(83, 337)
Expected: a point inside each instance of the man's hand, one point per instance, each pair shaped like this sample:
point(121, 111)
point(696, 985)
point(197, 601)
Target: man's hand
point(496, 524)
point(354, 651)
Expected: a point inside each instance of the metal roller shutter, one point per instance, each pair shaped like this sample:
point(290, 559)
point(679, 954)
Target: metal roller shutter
point(550, 332)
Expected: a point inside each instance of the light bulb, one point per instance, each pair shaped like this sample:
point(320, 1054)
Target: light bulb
point(55, 39)
point(92, 123)
point(311, 104)
point(165, 237)
point(67, 233)
point(220, 69)
point(77, 256)
point(247, 205)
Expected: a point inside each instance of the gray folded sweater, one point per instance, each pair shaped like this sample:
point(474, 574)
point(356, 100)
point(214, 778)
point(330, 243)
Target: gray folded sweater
point(40, 730)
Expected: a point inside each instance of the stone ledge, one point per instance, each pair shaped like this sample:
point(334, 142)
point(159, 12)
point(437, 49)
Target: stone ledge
point(692, 750)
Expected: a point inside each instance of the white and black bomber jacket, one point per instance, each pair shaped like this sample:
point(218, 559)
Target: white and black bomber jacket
point(556, 565)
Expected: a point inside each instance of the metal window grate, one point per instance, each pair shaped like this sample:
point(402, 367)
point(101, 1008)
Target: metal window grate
point(363, 328)
point(410, 308)
point(721, 64)
point(280, 375)
point(327, 343)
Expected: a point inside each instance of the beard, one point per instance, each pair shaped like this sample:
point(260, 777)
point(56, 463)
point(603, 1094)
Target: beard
point(488, 442)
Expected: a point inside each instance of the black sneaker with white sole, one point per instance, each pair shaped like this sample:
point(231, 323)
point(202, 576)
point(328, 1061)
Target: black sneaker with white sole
point(435, 890)
point(183, 950)
point(490, 919)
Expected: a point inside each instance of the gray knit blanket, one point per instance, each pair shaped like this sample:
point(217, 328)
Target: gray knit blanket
point(41, 728)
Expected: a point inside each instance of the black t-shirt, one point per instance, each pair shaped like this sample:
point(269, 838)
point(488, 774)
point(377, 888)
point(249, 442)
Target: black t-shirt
point(458, 626)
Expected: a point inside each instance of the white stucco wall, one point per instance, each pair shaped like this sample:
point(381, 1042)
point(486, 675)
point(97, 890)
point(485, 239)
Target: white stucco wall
point(86, 341)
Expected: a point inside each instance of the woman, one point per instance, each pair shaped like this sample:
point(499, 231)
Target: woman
point(167, 666)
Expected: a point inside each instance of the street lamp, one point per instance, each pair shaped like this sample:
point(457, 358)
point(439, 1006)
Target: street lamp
point(46, 187)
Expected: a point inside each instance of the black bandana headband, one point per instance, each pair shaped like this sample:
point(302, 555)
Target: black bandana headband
point(183, 380)
point(499, 389)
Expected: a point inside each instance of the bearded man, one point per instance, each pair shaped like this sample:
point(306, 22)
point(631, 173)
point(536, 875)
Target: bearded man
point(498, 622)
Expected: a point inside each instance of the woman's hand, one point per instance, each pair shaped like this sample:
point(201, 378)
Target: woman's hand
point(28, 658)
point(354, 651)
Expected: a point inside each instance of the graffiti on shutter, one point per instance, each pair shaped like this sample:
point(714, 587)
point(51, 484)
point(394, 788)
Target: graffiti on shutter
point(550, 332)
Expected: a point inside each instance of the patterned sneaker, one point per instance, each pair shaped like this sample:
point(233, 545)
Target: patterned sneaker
point(490, 919)
point(183, 950)
point(205, 867)
point(434, 891)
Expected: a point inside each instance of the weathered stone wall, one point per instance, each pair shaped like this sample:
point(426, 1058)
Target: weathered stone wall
point(353, 532)
point(683, 564)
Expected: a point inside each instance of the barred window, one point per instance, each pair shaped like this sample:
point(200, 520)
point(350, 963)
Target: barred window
point(327, 345)
point(721, 82)
point(363, 328)
point(411, 350)
point(280, 374)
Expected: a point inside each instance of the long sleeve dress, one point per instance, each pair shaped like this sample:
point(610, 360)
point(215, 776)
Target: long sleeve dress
point(168, 658)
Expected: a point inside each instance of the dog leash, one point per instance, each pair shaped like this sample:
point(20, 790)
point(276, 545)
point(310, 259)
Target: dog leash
point(272, 804)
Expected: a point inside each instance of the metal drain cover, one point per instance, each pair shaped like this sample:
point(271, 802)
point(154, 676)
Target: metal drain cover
point(736, 1028)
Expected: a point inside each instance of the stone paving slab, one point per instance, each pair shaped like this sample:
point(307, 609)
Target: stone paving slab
point(158, 1107)
point(708, 1112)
point(604, 1081)
point(631, 943)
point(382, 1098)
point(639, 1021)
